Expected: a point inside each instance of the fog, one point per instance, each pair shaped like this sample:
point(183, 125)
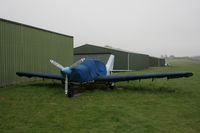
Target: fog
point(154, 27)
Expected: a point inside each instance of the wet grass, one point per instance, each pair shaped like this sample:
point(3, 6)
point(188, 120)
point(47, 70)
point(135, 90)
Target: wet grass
point(159, 106)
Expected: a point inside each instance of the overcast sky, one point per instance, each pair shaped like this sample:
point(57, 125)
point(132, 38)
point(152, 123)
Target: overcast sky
point(155, 27)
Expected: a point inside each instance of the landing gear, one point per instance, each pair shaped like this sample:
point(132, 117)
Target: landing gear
point(111, 86)
point(70, 91)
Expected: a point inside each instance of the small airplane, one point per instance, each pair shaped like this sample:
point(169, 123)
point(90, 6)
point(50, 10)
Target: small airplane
point(88, 70)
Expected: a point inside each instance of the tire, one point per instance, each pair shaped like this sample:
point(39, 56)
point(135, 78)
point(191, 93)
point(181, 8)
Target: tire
point(70, 91)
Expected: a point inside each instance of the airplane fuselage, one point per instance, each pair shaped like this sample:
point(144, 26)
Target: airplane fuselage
point(86, 71)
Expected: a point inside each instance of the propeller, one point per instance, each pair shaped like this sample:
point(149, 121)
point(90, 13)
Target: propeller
point(66, 85)
point(59, 66)
point(77, 63)
point(66, 71)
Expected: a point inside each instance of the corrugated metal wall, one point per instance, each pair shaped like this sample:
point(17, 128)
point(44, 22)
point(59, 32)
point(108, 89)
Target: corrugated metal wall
point(138, 61)
point(121, 62)
point(153, 62)
point(156, 62)
point(26, 48)
point(162, 62)
point(101, 57)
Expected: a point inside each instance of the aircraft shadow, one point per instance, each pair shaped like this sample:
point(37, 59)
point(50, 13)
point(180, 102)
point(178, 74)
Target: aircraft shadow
point(101, 87)
point(44, 85)
point(140, 89)
point(145, 89)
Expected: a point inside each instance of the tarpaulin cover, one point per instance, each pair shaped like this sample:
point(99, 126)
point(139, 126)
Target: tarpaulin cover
point(87, 71)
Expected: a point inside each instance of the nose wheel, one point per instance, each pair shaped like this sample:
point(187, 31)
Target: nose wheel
point(69, 91)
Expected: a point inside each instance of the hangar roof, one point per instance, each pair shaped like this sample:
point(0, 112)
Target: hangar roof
point(5, 20)
point(111, 48)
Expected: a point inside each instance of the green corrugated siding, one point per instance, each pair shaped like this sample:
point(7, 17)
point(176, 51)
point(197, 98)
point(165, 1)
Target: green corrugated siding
point(156, 62)
point(162, 62)
point(101, 57)
point(138, 61)
point(153, 61)
point(23, 48)
point(121, 58)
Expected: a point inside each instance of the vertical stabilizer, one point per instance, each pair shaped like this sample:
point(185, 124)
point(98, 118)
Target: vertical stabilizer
point(110, 64)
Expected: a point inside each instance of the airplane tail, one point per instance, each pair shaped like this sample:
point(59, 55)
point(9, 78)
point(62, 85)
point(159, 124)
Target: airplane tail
point(110, 64)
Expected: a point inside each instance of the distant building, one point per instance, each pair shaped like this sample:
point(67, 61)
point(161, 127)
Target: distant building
point(156, 62)
point(124, 60)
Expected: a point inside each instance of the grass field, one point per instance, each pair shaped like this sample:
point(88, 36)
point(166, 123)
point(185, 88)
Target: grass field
point(164, 106)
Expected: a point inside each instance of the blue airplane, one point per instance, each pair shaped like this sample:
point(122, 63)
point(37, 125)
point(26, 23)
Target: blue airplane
point(88, 70)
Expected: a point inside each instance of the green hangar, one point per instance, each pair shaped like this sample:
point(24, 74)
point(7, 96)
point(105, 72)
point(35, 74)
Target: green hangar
point(156, 62)
point(124, 60)
point(27, 48)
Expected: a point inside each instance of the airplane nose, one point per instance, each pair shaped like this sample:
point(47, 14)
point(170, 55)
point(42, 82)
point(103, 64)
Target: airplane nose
point(66, 70)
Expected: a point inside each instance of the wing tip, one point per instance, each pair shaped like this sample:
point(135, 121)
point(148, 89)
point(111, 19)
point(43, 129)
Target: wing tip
point(189, 74)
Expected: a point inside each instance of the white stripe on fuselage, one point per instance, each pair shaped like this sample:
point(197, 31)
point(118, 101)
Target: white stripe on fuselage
point(110, 64)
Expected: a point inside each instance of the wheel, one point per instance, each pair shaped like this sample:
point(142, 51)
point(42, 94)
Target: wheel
point(70, 91)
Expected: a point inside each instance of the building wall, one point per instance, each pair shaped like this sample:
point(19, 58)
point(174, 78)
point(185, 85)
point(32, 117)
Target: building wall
point(156, 62)
point(101, 57)
point(138, 61)
point(153, 61)
point(162, 62)
point(121, 58)
point(26, 48)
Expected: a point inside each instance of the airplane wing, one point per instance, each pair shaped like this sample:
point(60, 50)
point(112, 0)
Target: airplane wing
point(40, 75)
point(118, 78)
